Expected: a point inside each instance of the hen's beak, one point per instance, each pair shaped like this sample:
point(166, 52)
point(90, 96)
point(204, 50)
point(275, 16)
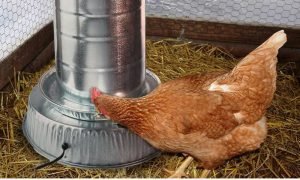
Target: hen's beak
point(94, 94)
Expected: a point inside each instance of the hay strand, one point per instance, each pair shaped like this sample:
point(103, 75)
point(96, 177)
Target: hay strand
point(168, 58)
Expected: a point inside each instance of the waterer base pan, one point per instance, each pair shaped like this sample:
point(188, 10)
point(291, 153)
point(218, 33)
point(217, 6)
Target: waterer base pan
point(50, 157)
point(95, 143)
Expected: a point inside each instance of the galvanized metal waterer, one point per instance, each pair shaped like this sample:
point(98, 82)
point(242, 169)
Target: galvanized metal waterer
point(97, 43)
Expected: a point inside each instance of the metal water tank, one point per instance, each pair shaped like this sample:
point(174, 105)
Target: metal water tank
point(97, 43)
point(100, 43)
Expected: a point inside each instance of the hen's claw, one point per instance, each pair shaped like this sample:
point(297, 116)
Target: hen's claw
point(185, 155)
point(179, 173)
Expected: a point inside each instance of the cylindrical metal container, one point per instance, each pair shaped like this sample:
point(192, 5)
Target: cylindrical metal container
point(93, 143)
point(100, 43)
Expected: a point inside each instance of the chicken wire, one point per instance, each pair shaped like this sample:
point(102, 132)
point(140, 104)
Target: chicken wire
point(279, 13)
point(20, 19)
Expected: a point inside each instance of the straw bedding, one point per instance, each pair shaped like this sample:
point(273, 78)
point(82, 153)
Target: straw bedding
point(278, 157)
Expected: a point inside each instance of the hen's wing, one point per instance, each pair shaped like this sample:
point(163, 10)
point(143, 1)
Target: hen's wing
point(194, 82)
point(208, 112)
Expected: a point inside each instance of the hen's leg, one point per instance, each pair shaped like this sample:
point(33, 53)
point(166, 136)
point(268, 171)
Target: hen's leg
point(179, 172)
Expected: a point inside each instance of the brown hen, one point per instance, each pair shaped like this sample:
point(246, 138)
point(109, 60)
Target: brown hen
point(211, 117)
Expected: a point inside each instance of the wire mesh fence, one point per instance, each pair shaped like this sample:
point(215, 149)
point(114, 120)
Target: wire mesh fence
point(277, 13)
point(19, 20)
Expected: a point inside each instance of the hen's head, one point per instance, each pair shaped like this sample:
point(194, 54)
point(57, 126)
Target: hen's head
point(95, 95)
point(125, 111)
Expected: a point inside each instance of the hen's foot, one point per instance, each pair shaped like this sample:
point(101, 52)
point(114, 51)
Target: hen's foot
point(179, 173)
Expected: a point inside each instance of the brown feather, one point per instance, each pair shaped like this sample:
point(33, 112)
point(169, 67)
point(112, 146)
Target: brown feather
point(212, 116)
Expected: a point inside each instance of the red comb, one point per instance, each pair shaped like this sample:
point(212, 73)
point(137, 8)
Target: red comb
point(94, 94)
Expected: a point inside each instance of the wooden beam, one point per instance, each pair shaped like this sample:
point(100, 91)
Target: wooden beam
point(25, 54)
point(237, 39)
point(41, 60)
point(241, 50)
point(217, 32)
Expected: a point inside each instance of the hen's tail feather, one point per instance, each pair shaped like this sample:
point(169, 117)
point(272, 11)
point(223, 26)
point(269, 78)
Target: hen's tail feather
point(267, 51)
point(276, 41)
point(255, 76)
point(258, 69)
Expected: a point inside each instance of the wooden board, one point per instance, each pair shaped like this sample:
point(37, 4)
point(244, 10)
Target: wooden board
point(237, 39)
point(218, 32)
point(41, 60)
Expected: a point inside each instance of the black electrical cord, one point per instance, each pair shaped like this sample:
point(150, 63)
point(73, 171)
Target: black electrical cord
point(64, 147)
